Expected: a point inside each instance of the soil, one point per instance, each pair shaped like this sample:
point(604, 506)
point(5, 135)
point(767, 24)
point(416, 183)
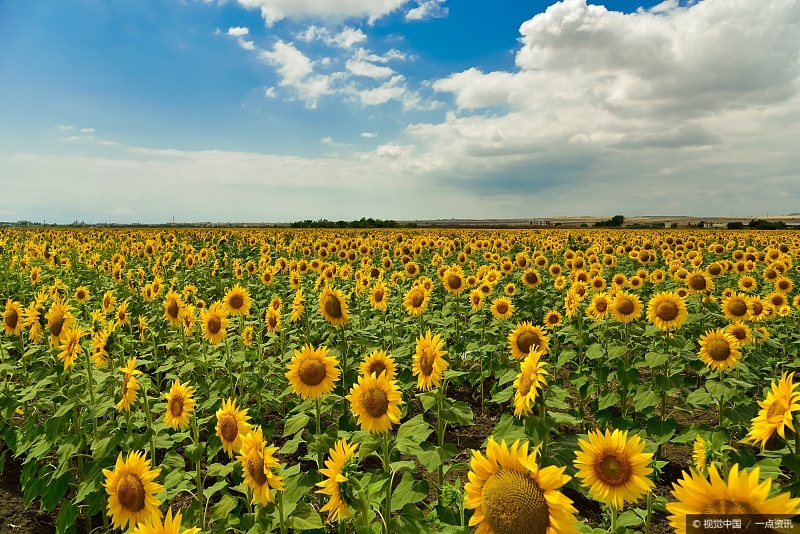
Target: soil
point(14, 516)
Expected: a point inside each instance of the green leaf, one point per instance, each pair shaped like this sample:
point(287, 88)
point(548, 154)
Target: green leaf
point(220, 470)
point(611, 398)
point(656, 359)
point(433, 456)
point(224, 507)
point(629, 518)
point(295, 424)
point(195, 452)
point(409, 491)
point(645, 398)
point(661, 431)
point(208, 492)
point(699, 398)
point(457, 413)
point(304, 517)
point(290, 447)
point(65, 522)
point(411, 433)
point(55, 491)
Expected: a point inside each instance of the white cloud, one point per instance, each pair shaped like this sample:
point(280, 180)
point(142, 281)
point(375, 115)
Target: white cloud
point(327, 140)
point(427, 9)
point(87, 130)
point(344, 39)
point(275, 10)
point(369, 134)
point(370, 70)
point(296, 71)
point(393, 89)
point(238, 31)
point(270, 93)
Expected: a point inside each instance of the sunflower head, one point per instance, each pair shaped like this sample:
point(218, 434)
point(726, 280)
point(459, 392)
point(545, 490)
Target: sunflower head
point(231, 426)
point(428, 365)
point(667, 311)
point(376, 402)
point(171, 525)
point(531, 378)
point(339, 467)
point(215, 323)
point(180, 404)
point(719, 350)
point(12, 318)
point(378, 362)
point(502, 308)
point(333, 306)
point(525, 338)
point(626, 307)
point(131, 490)
point(237, 301)
point(416, 300)
point(258, 462)
point(777, 411)
point(312, 372)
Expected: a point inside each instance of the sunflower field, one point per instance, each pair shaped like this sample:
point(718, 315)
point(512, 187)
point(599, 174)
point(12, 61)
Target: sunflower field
point(167, 381)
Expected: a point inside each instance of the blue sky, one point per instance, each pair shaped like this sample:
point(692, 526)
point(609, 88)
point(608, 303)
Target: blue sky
point(279, 110)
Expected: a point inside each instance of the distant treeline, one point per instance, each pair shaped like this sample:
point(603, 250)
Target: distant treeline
point(615, 222)
point(361, 223)
point(758, 224)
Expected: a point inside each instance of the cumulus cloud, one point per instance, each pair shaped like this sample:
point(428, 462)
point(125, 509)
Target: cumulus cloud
point(427, 9)
point(370, 70)
point(296, 71)
point(369, 134)
point(238, 31)
point(346, 38)
point(275, 10)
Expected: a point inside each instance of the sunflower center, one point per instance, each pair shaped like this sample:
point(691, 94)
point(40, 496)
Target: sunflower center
point(312, 372)
point(273, 321)
point(376, 402)
point(718, 350)
point(255, 467)
point(130, 492)
point(417, 298)
point(236, 302)
point(531, 278)
point(515, 504)
point(738, 308)
point(776, 409)
point(526, 340)
point(333, 307)
point(625, 307)
point(56, 325)
point(729, 506)
point(377, 367)
point(739, 334)
point(502, 308)
point(176, 406)
point(172, 309)
point(80, 295)
point(613, 469)
point(525, 383)
point(214, 325)
point(667, 311)
point(228, 428)
point(454, 281)
point(601, 306)
point(11, 319)
point(378, 295)
point(757, 308)
point(426, 360)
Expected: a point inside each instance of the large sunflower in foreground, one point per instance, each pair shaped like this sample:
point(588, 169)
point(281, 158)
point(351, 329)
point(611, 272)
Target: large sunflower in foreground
point(511, 494)
point(613, 467)
point(667, 311)
point(525, 338)
point(171, 525)
point(312, 373)
point(777, 411)
point(378, 362)
point(237, 301)
point(215, 323)
point(232, 425)
point(131, 490)
point(376, 401)
point(257, 463)
point(740, 494)
point(180, 405)
point(719, 350)
point(428, 364)
point(333, 306)
point(337, 466)
point(530, 379)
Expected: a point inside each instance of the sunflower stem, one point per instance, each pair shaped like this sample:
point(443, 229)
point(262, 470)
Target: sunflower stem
point(344, 370)
point(155, 358)
point(321, 455)
point(440, 439)
point(613, 519)
point(230, 366)
point(649, 516)
point(128, 426)
point(198, 474)
point(386, 466)
point(91, 392)
point(281, 518)
point(146, 402)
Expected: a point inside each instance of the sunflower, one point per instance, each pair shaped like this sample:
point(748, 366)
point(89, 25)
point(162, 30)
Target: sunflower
point(257, 463)
point(338, 466)
point(776, 299)
point(740, 494)
point(231, 426)
point(416, 301)
point(12, 318)
point(502, 308)
point(626, 307)
point(454, 281)
point(171, 525)
point(379, 296)
point(741, 332)
point(130, 385)
point(530, 379)
point(476, 299)
point(35, 275)
point(376, 401)
point(122, 314)
point(59, 320)
point(701, 454)
point(312, 373)
point(531, 278)
point(667, 311)
point(173, 308)
point(273, 320)
point(82, 294)
point(71, 346)
point(131, 490)
point(108, 302)
point(237, 301)
point(600, 307)
point(736, 308)
point(525, 338)
point(511, 494)
point(180, 404)
point(552, 319)
point(719, 350)
point(784, 285)
point(777, 411)
point(613, 467)
point(428, 364)
point(297, 306)
point(378, 362)
point(215, 323)
point(333, 306)
point(99, 352)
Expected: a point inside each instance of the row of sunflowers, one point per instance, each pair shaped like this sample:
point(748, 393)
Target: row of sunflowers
point(277, 380)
